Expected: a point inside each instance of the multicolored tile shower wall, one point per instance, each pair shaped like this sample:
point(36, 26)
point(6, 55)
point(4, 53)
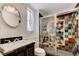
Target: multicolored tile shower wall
point(67, 30)
point(61, 32)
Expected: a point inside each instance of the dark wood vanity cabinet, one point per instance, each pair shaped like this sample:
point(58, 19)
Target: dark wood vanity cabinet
point(27, 50)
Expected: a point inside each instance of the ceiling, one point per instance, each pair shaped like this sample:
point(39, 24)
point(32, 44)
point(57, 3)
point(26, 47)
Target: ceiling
point(50, 8)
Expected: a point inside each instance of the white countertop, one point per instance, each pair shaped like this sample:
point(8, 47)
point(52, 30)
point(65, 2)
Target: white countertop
point(7, 47)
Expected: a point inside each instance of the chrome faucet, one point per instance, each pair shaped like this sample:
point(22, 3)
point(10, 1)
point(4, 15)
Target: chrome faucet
point(16, 40)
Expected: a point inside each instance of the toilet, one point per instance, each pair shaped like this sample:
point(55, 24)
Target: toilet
point(40, 52)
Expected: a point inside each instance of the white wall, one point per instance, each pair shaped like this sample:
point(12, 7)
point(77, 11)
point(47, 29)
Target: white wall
point(21, 30)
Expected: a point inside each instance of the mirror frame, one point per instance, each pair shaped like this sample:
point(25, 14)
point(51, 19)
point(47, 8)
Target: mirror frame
point(19, 21)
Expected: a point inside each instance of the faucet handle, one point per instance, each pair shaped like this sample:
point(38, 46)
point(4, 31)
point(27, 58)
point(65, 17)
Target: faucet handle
point(16, 39)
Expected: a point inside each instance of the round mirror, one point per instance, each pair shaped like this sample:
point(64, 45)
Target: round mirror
point(11, 15)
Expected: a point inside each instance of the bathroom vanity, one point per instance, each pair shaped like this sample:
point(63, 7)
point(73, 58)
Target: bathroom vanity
point(27, 50)
point(17, 47)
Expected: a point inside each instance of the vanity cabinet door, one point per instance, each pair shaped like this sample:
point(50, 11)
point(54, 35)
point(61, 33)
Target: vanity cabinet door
point(20, 51)
point(30, 51)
